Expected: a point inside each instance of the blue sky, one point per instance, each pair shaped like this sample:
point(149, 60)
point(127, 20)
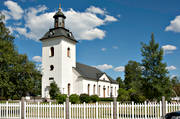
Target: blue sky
point(109, 31)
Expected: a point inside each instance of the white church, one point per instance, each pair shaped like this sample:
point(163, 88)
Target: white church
point(59, 65)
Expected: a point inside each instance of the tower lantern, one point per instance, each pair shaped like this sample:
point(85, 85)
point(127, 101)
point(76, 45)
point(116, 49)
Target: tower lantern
point(59, 18)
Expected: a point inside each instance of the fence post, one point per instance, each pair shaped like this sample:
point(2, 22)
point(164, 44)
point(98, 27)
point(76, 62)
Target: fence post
point(117, 110)
point(96, 110)
point(6, 109)
point(145, 106)
point(132, 110)
point(22, 108)
point(38, 109)
point(50, 110)
point(67, 108)
point(84, 105)
point(114, 108)
point(163, 107)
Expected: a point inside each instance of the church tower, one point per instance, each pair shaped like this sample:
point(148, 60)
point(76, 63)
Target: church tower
point(58, 56)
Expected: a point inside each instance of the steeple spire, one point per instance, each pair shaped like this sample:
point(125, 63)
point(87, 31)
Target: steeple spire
point(60, 7)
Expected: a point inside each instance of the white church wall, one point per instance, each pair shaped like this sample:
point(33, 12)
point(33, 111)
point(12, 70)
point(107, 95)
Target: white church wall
point(67, 63)
point(77, 83)
point(102, 84)
point(115, 89)
point(47, 61)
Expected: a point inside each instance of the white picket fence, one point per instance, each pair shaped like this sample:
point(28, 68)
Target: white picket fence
point(10, 110)
point(139, 111)
point(86, 111)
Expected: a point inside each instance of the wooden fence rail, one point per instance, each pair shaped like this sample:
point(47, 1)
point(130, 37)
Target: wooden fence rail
point(86, 111)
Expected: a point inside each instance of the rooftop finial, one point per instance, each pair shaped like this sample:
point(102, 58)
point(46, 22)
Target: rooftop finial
point(59, 7)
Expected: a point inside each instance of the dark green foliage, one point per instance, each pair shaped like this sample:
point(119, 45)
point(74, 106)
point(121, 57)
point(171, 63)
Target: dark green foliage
point(106, 99)
point(84, 98)
point(133, 75)
point(121, 82)
point(74, 98)
point(54, 90)
point(18, 76)
point(130, 95)
point(123, 95)
point(156, 83)
point(176, 86)
point(61, 98)
point(94, 98)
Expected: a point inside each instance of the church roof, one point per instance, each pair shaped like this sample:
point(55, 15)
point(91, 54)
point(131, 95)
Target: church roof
point(57, 32)
point(91, 72)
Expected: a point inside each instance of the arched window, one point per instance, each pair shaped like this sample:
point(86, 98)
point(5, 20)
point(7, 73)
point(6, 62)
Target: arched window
point(68, 52)
point(51, 67)
point(52, 51)
point(104, 91)
point(69, 88)
point(108, 91)
point(94, 90)
point(111, 91)
point(88, 89)
point(99, 90)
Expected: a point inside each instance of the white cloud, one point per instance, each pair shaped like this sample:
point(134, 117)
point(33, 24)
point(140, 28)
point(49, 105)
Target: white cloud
point(169, 48)
point(171, 68)
point(37, 58)
point(15, 11)
point(174, 25)
point(110, 18)
point(36, 25)
point(95, 10)
point(119, 69)
point(84, 25)
point(104, 67)
point(103, 49)
point(115, 47)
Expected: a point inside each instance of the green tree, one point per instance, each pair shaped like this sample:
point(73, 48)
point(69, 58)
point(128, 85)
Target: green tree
point(54, 90)
point(133, 75)
point(123, 95)
point(121, 82)
point(156, 83)
point(17, 73)
point(176, 86)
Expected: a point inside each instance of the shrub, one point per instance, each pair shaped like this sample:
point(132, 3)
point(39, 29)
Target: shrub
point(61, 98)
point(94, 98)
point(15, 97)
point(54, 90)
point(74, 98)
point(106, 99)
point(84, 98)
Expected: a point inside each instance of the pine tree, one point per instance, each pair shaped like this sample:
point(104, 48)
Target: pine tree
point(156, 83)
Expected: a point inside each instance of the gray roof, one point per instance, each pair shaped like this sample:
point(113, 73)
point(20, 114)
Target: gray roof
point(57, 32)
point(91, 72)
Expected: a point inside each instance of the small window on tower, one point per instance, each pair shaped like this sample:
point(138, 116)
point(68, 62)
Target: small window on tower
point(68, 52)
point(51, 67)
point(51, 78)
point(52, 51)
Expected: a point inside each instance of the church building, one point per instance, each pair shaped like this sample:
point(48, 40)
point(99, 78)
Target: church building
point(59, 65)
